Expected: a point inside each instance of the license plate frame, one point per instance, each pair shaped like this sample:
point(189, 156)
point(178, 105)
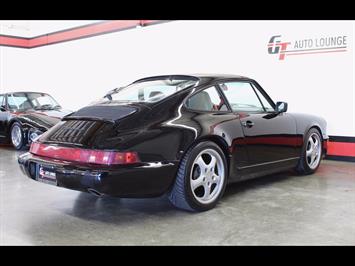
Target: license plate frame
point(46, 174)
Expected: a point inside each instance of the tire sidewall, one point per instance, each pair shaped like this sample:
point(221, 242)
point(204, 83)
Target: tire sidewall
point(187, 184)
point(304, 156)
point(22, 138)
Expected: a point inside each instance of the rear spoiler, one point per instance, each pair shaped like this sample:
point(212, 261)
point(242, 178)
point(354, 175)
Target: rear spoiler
point(101, 113)
point(88, 118)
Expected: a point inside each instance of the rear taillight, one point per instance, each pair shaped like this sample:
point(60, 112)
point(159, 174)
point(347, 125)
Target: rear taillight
point(84, 155)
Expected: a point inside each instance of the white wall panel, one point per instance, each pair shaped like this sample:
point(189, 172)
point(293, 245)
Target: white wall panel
point(79, 72)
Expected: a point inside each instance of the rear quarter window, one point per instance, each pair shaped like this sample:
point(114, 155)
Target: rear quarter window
point(207, 100)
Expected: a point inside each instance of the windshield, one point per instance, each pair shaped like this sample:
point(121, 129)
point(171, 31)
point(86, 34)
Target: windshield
point(31, 100)
point(151, 90)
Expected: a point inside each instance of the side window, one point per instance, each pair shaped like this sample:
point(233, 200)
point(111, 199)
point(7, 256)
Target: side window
point(156, 92)
point(207, 100)
point(242, 97)
point(11, 102)
point(18, 101)
point(265, 102)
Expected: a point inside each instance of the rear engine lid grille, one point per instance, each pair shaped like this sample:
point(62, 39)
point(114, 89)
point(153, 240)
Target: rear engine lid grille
point(74, 131)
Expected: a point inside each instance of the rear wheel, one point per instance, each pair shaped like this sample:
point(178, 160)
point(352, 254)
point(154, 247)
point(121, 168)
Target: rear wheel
point(201, 178)
point(311, 153)
point(17, 138)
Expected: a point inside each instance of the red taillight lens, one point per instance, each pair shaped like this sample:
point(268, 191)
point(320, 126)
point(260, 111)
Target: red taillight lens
point(83, 155)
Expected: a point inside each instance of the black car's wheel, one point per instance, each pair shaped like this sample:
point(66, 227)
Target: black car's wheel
point(311, 153)
point(17, 138)
point(201, 178)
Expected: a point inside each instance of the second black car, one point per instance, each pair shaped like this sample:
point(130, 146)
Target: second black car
point(26, 115)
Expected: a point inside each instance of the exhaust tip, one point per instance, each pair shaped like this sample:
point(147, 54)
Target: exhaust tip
point(95, 192)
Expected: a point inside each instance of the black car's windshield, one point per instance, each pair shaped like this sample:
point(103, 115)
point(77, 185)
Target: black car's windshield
point(31, 100)
point(151, 90)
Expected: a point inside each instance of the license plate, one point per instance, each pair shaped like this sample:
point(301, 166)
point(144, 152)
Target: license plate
point(47, 175)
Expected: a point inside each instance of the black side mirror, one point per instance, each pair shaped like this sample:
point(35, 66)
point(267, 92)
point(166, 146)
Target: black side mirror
point(281, 107)
point(2, 108)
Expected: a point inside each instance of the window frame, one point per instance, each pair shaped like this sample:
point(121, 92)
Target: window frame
point(3, 100)
point(5, 103)
point(255, 86)
point(264, 94)
point(218, 89)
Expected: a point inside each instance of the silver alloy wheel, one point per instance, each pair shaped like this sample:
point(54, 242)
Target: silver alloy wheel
point(16, 135)
point(207, 176)
point(313, 151)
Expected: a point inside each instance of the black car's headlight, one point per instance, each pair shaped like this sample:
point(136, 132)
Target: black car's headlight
point(33, 134)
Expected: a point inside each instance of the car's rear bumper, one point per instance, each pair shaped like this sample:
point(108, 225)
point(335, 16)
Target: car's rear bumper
point(143, 180)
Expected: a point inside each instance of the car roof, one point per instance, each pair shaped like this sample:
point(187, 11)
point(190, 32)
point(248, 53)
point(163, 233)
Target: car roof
point(204, 77)
point(11, 92)
point(218, 76)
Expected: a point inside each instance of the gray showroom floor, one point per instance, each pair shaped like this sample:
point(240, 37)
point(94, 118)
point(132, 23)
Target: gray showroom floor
point(282, 209)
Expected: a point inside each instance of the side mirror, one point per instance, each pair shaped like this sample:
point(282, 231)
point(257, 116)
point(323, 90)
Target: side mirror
point(2, 108)
point(281, 107)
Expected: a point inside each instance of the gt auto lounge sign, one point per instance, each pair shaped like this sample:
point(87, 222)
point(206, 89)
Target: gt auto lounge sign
point(322, 45)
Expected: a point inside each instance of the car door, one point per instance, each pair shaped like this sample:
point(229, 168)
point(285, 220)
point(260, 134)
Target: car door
point(213, 117)
point(270, 137)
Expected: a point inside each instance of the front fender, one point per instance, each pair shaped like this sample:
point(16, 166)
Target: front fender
point(304, 122)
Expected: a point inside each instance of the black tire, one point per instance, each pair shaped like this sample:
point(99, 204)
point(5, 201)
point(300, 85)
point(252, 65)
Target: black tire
point(181, 194)
point(22, 143)
point(302, 166)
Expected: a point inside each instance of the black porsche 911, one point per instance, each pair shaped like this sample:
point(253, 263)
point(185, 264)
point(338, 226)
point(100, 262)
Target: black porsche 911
point(187, 136)
point(26, 115)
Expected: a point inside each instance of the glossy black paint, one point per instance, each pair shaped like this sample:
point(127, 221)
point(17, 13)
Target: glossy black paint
point(141, 180)
point(163, 132)
point(40, 120)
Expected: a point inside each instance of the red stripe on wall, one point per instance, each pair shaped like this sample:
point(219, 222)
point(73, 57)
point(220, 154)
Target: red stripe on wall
point(101, 28)
point(75, 33)
point(341, 149)
point(323, 52)
point(13, 41)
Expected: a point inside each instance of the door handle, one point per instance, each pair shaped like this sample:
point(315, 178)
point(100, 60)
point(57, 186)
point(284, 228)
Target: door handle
point(248, 123)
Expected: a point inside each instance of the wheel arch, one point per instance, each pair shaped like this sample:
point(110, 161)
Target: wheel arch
point(219, 141)
point(318, 128)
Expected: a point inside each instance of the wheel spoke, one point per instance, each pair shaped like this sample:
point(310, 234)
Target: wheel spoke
point(197, 182)
point(212, 162)
point(312, 158)
point(207, 192)
point(309, 152)
point(313, 142)
point(201, 163)
point(216, 179)
point(316, 143)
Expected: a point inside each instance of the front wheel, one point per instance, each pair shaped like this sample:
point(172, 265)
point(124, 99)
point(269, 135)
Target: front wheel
point(17, 138)
point(201, 178)
point(311, 153)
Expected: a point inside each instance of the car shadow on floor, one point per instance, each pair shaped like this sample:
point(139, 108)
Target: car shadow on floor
point(110, 209)
point(123, 210)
